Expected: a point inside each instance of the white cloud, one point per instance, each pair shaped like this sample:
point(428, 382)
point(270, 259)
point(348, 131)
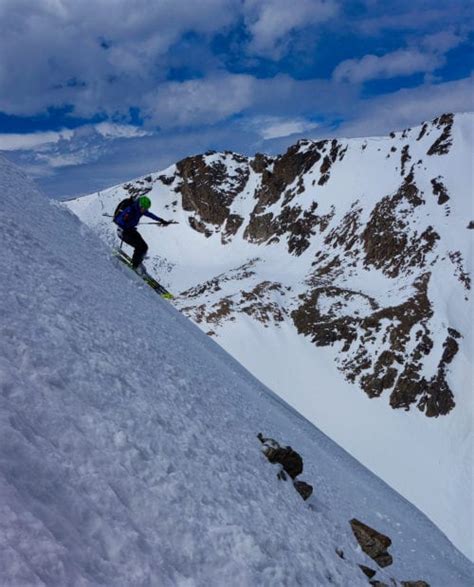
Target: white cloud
point(270, 21)
point(204, 101)
point(409, 107)
point(406, 15)
point(110, 130)
point(269, 127)
point(398, 63)
point(443, 41)
point(44, 140)
point(56, 161)
point(29, 141)
point(95, 54)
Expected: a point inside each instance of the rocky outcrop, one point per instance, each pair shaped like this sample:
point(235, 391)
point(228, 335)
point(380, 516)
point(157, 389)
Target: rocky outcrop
point(284, 182)
point(388, 245)
point(373, 543)
point(259, 302)
point(208, 189)
point(388, 365)
point(440, 190)
point(304, 489)
point(442, 145)
point(290, 461)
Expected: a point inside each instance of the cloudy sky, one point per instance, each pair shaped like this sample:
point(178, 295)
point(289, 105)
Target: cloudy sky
point(96, 92)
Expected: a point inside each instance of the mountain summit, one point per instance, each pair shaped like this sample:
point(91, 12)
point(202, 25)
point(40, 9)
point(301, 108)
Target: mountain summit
point(338, 273)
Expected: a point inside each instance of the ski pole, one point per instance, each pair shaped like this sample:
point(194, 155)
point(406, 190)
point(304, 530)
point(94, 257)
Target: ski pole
point(159, 223)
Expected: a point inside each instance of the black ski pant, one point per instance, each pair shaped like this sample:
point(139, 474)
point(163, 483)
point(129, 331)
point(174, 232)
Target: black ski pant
point(132, 237)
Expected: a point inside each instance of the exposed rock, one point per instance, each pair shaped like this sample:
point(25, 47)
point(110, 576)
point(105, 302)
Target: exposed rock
point(166, 180)
point(199, 226)
point(423, 130)
point(442, 145)
point(208, 189)
point(388, 244)
point(296, 161)
point(329, 328)
point(232, 225)
point(291, 463)
point(405, 158)
point(258, 304)
point(462, 275)
point(287, 170)
point(303, 488)
point(219, 311)
point(440, 190)
point(415, 584)
point(260, 228)
point(438, 397)
point(137, 189)
point(335, 153)
point(471, 224)
point(368, 572)
point(345, 234)
point(260, 162)
point(373, 543)
point(289, 459)
point(213, 285)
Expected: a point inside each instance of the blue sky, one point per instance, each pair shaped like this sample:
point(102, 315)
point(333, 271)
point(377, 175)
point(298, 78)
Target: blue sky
point(97, 92)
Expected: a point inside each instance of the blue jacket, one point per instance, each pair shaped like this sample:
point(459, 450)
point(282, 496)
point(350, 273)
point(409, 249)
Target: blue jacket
point(129, 217)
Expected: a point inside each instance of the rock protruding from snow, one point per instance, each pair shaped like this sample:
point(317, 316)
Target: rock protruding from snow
point(291, 463)
point(373, 543)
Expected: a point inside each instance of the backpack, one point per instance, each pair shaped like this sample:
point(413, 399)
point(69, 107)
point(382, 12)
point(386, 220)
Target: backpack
point(122, 205)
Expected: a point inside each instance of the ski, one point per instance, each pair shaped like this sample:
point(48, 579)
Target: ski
point(148, 279)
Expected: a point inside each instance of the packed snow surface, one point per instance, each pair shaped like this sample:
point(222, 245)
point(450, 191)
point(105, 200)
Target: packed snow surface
point(128, 449)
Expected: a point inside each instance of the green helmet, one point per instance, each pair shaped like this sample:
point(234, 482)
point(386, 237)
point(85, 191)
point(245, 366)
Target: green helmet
point(144, 202)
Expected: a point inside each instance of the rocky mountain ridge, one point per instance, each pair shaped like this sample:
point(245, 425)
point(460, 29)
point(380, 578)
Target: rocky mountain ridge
point(396, 239)
point(384, 346)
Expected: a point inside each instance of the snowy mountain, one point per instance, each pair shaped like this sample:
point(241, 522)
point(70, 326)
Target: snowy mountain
point(128, 442)
point(339, 275)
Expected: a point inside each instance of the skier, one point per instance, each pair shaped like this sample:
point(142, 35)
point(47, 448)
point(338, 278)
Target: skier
point(127, 219)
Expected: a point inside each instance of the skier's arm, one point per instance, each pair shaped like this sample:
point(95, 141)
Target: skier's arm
point(154, 217)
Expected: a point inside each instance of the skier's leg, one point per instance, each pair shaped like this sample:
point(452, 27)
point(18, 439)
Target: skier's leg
point(141, 249)
point(133, 238)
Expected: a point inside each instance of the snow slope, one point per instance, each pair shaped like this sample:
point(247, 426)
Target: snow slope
point(128, 450)
point(385, 224)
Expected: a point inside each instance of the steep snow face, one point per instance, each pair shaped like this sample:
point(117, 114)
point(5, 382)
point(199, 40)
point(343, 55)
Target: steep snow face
point(128, 449)
point(339, 274)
